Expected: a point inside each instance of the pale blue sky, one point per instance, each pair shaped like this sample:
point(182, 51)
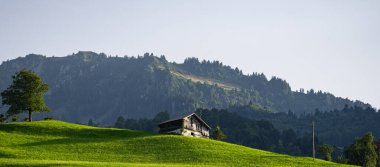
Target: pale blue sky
point(329, 45)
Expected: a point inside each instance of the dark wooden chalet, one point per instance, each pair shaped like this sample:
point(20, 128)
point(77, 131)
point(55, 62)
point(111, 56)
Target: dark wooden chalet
point(191, 125)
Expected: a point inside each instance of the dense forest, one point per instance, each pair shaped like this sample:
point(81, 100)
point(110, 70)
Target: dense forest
point(335, 127)
point(87, 85)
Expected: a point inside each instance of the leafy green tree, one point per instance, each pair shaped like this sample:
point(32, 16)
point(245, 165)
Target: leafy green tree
point(326, 150)
point(362, 152)
point(120, 122)
point(218, 134)
point(26, 94)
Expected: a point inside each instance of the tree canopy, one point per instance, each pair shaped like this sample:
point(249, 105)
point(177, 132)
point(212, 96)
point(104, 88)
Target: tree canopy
point(326, 150)
point(218, 134)
point(362, 152)
point(25, 94)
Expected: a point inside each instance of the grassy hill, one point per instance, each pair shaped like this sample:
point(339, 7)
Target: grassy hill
point(56, 143)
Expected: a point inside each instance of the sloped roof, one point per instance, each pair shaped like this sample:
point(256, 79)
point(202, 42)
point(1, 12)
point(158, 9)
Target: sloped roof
point(193, 114)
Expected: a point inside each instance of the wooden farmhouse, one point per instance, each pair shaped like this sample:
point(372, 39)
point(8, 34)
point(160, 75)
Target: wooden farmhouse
point(191, 125)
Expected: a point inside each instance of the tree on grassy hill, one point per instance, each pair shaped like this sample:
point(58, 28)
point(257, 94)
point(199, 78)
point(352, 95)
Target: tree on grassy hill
point(362, 152)
point(326, 150)
point(26, 94)
point(218, 134)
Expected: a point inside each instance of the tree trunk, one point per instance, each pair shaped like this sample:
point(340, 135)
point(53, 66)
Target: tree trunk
point(30, 116)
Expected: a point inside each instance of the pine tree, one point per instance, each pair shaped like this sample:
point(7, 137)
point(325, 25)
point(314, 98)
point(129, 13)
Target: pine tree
point(218, 134)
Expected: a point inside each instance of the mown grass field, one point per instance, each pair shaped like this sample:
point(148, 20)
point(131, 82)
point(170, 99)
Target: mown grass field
point(195, 79)
point(56, 143)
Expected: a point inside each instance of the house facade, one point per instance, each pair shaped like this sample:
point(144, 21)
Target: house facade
point(190, 125)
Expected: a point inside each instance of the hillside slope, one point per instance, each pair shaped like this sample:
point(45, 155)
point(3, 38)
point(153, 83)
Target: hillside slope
point(48, 143)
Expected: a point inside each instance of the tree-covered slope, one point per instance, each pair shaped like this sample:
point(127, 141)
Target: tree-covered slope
point(88, 85)
point(336, 127)
point(48, 143)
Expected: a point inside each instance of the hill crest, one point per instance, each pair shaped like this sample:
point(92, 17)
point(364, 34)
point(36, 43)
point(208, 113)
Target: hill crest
point(87, 85)
point(56, 142)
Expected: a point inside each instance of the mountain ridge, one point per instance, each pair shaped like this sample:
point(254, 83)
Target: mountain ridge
point(87, 85)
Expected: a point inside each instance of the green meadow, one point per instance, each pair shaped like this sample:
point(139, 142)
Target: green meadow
point(56, 143)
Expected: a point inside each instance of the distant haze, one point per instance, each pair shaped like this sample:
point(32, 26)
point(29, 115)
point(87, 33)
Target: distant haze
point(329, 45)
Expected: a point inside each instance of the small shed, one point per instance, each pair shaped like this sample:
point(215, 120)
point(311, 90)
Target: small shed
point(190, 125)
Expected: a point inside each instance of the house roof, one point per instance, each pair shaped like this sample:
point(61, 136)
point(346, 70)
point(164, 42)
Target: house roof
point(193, 114)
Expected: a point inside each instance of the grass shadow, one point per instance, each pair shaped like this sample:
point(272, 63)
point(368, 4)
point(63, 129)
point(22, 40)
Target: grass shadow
point(6, 155)
point(81, 132)
point(41, 165)
point(87, 139)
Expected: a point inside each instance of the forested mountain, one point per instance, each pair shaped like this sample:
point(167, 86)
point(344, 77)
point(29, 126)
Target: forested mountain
point(87, 85)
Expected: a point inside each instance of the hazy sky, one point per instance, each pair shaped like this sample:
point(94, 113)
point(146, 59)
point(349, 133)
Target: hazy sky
point(329, 45)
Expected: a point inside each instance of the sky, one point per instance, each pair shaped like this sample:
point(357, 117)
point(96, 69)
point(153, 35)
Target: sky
point(328, 45)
